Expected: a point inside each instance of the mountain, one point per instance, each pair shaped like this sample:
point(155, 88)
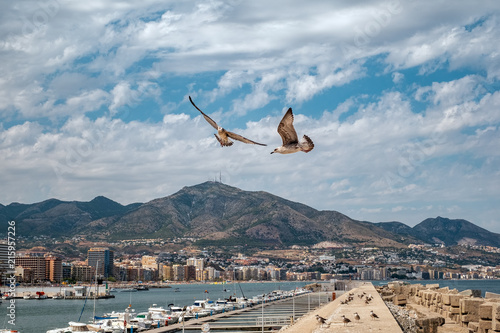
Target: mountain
point(398, 228)
point(218, 214)
point(449, 232)
point(58, 218)
point(225, 215)
point(445, 231)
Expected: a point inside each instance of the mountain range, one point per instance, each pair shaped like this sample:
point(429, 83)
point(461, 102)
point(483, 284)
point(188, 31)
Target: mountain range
point(219, 214)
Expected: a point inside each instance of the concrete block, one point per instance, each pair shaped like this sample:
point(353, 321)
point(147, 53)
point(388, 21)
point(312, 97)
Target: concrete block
point(455, 300)
point(489, 295)
point(471, 293)
point(454, 310)
point(446, 299)
point(432, 286)
point(470, 305)
point(486, 311)
point(495, 325)
point(429, 325)
point(495, 311)
point(444, 290)
point(473, 327)
point(467, 318)
point(485, 324)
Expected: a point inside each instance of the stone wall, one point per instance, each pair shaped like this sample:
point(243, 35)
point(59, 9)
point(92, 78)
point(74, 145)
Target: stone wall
point(466, 308)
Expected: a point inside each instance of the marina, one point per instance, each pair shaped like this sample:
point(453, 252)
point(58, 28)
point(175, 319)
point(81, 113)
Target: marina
point(43, 315)
point(267, 317)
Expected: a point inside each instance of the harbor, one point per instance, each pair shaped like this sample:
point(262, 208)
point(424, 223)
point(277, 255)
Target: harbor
point(270, 316)
point(289, 314)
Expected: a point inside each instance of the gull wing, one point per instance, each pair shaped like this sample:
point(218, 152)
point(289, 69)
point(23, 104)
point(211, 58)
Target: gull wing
point(207, 118)
point(242, 139)
point(286, 130)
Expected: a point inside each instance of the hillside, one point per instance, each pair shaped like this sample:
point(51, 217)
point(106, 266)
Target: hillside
point(221, 214)
point(445, 231)
point(218, 214)
point(449, 232)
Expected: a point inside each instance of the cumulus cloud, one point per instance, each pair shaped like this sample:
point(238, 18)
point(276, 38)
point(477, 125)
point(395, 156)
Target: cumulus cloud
point(402, 102)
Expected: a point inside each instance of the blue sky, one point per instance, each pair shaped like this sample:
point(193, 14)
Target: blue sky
point(400, 97)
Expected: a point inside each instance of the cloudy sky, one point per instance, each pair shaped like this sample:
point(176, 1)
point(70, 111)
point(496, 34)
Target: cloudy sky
point(400, 97)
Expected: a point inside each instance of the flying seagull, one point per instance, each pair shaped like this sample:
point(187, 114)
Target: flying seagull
point(222, 135)
point(291, 142)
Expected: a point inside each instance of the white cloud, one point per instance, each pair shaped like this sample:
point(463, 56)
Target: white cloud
point(397, 77)
point(373, 146)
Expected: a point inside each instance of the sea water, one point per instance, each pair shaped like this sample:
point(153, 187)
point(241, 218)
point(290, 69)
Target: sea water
point(38, 316)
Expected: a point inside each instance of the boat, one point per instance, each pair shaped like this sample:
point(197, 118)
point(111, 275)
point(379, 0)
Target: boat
point(40, 295)
point(176, 290)
point(199, 309)
point(161, 316)
point(73, 327)
point(28, 296)
point(181, 313)
point(106, 326)
point(128, 290)
point(142, 288)
point(57, 296)
point(6, 330)
point(118, 319)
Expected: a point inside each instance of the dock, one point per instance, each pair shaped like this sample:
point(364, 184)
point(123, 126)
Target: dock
point(268, 317)
point(298, 315)
point(334, 310)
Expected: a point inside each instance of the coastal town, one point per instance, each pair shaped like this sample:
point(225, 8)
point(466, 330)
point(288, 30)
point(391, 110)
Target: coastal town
point(323, 262)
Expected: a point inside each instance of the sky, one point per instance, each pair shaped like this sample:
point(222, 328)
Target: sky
point(400, 97)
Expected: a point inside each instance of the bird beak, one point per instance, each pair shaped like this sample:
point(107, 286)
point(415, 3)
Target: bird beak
point(272, 152)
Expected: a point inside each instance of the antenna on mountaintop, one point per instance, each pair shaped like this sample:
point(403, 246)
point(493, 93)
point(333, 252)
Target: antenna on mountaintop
point(220, 176)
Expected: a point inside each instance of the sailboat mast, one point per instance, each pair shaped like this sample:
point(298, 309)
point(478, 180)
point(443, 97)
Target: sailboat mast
point(96, 289)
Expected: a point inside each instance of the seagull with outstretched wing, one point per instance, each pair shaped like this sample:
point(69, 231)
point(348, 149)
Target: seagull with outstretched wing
point(222, 135)
point(291, 143)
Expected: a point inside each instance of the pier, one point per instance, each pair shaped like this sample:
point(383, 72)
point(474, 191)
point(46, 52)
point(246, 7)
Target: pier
point(268, 317)
point(334, 310)
point(298, 315)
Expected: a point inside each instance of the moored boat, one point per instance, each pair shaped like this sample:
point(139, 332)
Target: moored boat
point(73, 327)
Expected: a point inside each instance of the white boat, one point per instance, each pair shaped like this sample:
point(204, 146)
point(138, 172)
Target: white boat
point(73, 327)
point(224, 305)
point(162, 316)
point(28, 296)
point(182, 313)
point(6, 296)
point(6, 330)
point(199, 309)
point(106, 325)
point(130, 290)
point(118, 319)
point(57, 296)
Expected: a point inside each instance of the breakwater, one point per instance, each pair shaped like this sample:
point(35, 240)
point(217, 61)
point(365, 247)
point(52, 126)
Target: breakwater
point(359, 298)
point(433, 307)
